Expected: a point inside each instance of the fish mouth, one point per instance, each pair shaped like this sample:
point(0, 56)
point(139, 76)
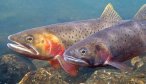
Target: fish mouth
point(78, 61)
point(22, 48)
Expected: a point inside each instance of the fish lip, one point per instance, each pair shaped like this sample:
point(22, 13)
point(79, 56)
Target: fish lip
point(9, 37)
point(74, 60)
point(18, 47)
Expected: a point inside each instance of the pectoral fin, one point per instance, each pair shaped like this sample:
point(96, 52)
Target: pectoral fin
point(119, 65)
point(68, 67)
point(55, 63)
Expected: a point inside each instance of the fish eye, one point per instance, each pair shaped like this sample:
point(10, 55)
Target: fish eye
point(83, 51)
point(29, 39)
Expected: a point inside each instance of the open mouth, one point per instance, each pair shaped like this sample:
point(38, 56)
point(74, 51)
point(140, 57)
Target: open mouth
point(22, 48)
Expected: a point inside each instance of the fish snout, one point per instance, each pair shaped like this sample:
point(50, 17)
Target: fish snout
point(10, 37)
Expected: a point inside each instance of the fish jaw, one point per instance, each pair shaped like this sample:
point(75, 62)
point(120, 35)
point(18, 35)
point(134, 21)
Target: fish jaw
point(20, 48)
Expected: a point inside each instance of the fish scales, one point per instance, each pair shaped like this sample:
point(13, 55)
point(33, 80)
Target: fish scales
point(76, 31)
point(50, 42)
point(124, 40)
point(112, 45)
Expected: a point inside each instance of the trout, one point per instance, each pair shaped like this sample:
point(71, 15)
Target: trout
point(50, 42)
point(111, 46)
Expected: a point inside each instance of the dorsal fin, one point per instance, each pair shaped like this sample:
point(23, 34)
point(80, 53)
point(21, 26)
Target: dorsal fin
point(141, 14)
point(109, 14)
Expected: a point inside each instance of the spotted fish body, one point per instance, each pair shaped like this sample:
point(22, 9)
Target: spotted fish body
point(50, 42)
point(76, 31)
point(123, 41)
point(71, 32)
point(126, 40)
point(111, 46)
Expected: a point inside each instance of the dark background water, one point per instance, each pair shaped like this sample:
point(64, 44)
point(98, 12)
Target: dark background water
point(18, 15)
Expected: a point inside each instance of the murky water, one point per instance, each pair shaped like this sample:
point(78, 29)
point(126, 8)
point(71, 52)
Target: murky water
point(18, 15)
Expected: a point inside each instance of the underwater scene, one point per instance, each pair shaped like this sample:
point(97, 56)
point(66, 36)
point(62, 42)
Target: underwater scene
point(72, 42)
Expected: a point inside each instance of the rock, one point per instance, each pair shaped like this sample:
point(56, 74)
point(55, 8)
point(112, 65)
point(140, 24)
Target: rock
point(114, 77)
point(13, 68)
point(137, 62)
point(83, 74)
point(140, 64)
point(53, 76)
point(43, 76)
point(99, 75)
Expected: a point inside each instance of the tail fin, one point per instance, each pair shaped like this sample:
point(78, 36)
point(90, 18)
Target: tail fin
point(141, 14)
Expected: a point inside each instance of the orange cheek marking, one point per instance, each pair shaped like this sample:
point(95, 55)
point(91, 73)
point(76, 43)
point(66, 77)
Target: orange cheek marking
point(53, 45)
point(54, 48)
point(58, 49)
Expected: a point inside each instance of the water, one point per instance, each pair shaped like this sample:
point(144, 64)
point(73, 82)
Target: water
point(18, 15)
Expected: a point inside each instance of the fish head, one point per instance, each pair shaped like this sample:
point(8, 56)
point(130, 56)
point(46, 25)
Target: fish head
point(36, 43)
point(84, 53)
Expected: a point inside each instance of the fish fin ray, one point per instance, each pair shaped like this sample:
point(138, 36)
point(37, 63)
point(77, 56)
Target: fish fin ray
point(55, 63)
point(109, 14)
point(71, 69)
point(141, 14)
point(119, 65)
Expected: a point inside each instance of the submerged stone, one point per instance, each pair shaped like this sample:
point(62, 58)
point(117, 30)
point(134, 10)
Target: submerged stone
point(49, 75)
point(99, 75)
point(13, 68)
point(42, 76)
point(114, 77)
point(137, 62)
